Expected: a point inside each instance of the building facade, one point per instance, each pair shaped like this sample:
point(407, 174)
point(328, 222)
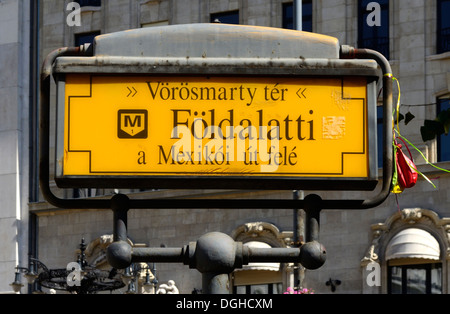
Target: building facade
point(399, 247)
point(15, 109)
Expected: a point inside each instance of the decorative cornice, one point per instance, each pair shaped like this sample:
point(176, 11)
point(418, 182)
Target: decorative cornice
point(261, 231)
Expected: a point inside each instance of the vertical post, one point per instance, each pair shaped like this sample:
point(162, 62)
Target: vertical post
point(32, 247)
point(312, 210)
point(297, 237)
point(312, 253)
point(119, 253)
point(215, 257)
point(120, 205)
point(215, 283)
point(298, 15)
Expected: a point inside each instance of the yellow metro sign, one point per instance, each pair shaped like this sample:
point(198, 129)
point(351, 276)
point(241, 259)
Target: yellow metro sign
point(215, 127)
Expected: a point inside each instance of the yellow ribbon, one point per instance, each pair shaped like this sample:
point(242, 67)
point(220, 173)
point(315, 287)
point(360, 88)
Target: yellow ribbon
point(396, 189)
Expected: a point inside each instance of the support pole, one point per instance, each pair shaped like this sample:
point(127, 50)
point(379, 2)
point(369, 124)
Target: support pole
point(120, 207)
point(216, 255)
point(298, 234)
point(312, 210)
point(313, 254)
point(215, 283)
point(119, 252)
point(298, 15)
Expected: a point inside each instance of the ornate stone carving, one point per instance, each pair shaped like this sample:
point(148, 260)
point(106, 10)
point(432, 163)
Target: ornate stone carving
point(170, 288)
point(372, 254)
point(96, 250)
point(411, 215)
point(254, 229)
point(264, 232)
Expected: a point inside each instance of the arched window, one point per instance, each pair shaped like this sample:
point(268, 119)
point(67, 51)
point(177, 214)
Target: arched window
point(411, 250)
point(414, 267)
point(261, 278)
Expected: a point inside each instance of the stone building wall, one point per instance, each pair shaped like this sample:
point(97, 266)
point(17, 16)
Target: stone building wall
point(14, 127)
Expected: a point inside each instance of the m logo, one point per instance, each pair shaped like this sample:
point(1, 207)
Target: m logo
point(133, 124)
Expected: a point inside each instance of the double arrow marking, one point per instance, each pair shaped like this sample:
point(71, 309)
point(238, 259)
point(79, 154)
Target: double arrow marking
point(132, 93)
point(301, 93)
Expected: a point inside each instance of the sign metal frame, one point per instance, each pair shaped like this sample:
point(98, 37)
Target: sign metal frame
point(351, 62)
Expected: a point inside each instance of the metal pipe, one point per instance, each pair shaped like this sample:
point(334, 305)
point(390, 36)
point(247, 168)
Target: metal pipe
point(158, 255)
point(44, 136)
point(213, 283)
point(348, 52)
point(273, 255)
point(296, 237)
point(120, 206)
point(312, 209)
point(32, 246)
point(227, 254)
point(298, 214)
point(216, 203)
point(250, 255)
point(33, 107)
point(298, 14)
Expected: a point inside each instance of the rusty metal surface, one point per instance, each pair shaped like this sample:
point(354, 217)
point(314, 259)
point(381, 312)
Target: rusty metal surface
point(241, 66)
point(216, 48)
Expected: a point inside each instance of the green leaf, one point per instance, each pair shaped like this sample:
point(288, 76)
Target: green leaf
point(447, 127)
point(444, 118)
point(427, 134)
point(409, 117)
point(431, 129)
point(436, 126)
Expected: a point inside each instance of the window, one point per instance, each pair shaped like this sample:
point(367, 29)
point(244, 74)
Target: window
point(372, 36)
point(443, 141)
point(414, 266)
point(255, 279)
point(415, 279)
point(90, 3)
point(271, 288)
point(288, 15)
point(268, 277)
point(85, 38)
point(231, 17)
point(443, 26)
